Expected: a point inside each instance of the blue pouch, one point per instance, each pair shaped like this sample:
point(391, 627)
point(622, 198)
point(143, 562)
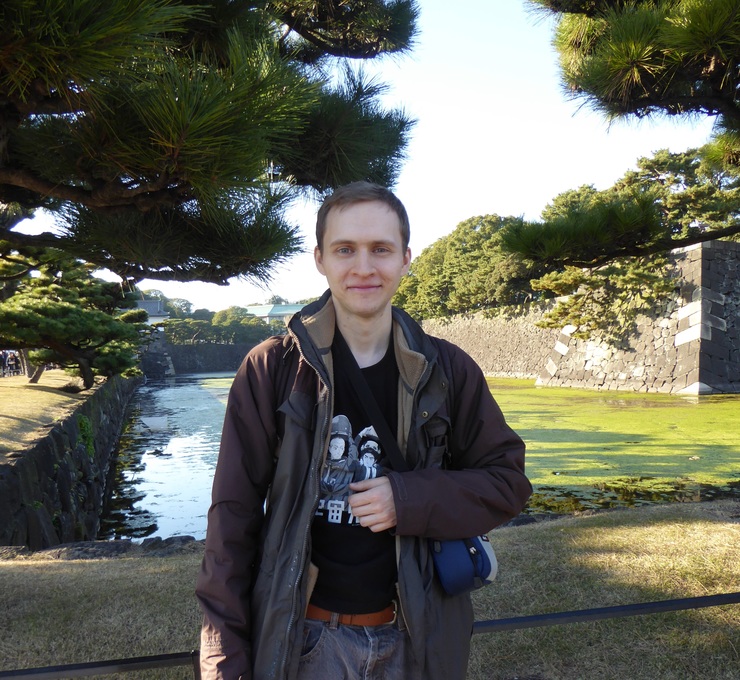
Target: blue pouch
point(464, 564)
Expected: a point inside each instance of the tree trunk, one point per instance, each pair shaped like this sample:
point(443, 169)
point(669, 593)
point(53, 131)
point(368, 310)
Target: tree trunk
point(36, 374)
point(23, 356)
point(88, 379)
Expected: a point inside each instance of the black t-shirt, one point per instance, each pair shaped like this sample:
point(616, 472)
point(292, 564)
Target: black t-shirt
point(357, 568)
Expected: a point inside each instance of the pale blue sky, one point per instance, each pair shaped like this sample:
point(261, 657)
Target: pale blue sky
point(495, 134)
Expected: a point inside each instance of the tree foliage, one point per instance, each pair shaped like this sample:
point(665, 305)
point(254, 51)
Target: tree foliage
point(168, 136)
point(642, 57)
point(605, 301)
point(466, 271)
point(489, 262)
point(670, 197)
point(636, 58)
point(64, 315)
point(671, 200)
point(229, 326)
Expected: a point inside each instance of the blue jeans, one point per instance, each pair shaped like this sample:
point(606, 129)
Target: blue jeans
point(355, 652)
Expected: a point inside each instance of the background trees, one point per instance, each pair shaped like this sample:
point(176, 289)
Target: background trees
point(586, 241)
point(168, 136)
point(467, 271)
point(234, 325)
point(571, 252)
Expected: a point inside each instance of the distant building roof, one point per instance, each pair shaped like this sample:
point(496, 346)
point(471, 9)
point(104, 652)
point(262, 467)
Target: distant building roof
point(274, 312)
point(155, 309)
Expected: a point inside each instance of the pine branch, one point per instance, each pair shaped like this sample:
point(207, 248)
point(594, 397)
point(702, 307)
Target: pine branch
point(661, 246)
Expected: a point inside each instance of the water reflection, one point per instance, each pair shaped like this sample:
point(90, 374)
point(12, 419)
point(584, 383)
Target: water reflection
point(168, 455)
point(166, 458)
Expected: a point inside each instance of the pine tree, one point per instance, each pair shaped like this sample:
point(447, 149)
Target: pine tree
point(64, 315)
point(637, 58)
point(168, 136)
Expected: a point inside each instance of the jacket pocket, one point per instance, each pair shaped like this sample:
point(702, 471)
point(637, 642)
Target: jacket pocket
point(297, 413)
point(436, 439)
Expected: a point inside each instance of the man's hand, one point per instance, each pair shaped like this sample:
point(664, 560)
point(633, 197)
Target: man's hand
point(372, 503)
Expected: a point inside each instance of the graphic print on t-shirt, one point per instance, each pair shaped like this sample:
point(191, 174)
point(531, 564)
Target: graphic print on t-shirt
point(350, 459)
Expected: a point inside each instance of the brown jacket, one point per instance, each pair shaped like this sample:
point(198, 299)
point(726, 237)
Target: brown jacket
point(254, 581)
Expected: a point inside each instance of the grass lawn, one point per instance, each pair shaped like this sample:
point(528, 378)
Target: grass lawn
point(589, 449)
point(26, 411)
point(58, 611)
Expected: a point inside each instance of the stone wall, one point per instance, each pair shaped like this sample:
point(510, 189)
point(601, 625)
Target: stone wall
point(162, 359)
point(503, 346)
point(207, 358)
point(687, 345)
point(54, 491)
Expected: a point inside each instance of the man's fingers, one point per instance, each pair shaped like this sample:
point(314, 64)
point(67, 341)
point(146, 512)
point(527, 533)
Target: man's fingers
point(372, 503)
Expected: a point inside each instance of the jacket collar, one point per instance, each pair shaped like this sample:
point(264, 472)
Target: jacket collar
point(316, 322)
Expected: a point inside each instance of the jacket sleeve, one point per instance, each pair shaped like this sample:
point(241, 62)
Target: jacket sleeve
point(485, 485)
point(243, 474)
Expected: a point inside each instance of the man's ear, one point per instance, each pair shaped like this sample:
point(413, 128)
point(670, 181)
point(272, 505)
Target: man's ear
point(406, 260)
point(318, 260)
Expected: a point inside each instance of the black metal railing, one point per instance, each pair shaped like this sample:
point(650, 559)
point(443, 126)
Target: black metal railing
point(81, 670)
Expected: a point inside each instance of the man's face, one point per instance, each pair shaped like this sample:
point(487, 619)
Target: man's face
point(363, 258)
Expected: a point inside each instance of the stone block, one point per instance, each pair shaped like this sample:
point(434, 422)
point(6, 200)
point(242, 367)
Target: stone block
point(561, 348)
point(679, 382)
point(691, 309)
point(551, 367)
point(720, 368)
point(698, 332)
point(41, 533)
point(714, 322)
point(716, 350)
point(697, 388)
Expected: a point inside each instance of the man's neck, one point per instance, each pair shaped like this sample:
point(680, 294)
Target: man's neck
point(367, 338)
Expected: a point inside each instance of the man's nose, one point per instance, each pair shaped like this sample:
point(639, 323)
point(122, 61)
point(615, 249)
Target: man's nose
point(364, 263)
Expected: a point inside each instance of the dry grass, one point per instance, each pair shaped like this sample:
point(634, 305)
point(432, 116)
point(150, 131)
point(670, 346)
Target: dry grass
point(56, 611)
point(610, 559)
point(74, 611)
point(26, 411)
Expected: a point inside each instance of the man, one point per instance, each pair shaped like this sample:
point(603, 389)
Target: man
point(292, 588)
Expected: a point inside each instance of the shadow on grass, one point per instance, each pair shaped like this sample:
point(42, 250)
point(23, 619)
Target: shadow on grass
point(608, 560)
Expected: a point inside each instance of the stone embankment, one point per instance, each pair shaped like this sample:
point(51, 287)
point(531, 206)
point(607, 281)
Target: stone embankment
point(503, 346)
point(687, 344)
point(164, 360)
point(54, 491)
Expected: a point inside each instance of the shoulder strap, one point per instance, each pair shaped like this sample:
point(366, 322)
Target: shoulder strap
point(283, 370)
point(366, 399)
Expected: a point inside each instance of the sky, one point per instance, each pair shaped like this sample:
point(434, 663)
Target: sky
point(495, 134)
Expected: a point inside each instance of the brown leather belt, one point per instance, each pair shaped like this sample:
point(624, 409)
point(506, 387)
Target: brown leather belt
point(387, 615)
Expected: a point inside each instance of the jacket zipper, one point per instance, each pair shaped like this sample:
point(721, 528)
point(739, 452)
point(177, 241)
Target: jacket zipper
point(315, 466)
point(423, 380)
